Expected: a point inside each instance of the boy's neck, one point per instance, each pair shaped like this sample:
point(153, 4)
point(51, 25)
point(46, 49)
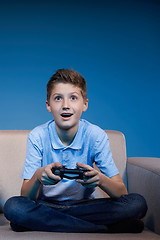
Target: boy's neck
point(67, 136)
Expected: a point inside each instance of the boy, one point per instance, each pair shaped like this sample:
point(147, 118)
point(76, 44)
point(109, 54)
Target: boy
point(49, 203)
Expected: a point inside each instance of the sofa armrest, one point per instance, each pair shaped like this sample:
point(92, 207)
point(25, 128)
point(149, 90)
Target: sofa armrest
point(144, 178)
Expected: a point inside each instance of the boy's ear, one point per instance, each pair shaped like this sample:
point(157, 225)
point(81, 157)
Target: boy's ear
point(48, 106)
point(85, 105)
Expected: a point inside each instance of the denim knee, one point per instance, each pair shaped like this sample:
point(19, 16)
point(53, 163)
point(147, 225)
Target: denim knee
point(12, 208)
point(142, 205)
point(137, 205)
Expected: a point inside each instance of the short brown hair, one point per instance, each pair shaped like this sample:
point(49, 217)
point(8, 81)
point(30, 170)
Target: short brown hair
point(67, 76)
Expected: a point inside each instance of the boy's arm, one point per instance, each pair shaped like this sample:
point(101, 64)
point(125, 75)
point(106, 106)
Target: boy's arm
point(30, 188)
point(113, 186)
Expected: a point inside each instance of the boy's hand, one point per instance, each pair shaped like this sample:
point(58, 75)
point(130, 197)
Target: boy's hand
point(93, 174)
point(46, 176)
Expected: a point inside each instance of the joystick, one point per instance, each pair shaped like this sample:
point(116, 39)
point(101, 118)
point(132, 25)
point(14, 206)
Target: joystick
point(76, 173)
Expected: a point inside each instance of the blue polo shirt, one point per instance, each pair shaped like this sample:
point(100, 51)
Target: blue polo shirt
point(91, 144)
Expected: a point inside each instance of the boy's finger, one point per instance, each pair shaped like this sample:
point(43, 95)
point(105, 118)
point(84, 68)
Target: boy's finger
point(48, 181)
point(54, 177)
point(51, 176)
point(56, 165)
point(91, 173)
point(85, 166)
point(87, 183)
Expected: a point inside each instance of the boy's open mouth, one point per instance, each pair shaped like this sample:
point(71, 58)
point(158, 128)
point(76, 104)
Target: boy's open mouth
point(66, 115)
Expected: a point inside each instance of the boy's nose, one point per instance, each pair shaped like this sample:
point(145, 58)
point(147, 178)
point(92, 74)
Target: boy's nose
point(65, 104)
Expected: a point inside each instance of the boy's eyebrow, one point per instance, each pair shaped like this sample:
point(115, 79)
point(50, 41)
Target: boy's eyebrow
point(74, 93)
point(57, 94)
point(62, 93)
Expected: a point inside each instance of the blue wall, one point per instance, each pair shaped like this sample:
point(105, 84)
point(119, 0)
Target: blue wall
point(115, 45)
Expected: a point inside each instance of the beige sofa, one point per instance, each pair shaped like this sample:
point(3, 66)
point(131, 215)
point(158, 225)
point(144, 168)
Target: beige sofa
point(141, 175)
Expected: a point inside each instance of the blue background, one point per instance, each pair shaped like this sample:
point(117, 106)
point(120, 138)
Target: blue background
point(115, 45)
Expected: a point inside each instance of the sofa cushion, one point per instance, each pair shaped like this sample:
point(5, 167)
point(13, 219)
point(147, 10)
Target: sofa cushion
point(118, 149)
point(12, 155)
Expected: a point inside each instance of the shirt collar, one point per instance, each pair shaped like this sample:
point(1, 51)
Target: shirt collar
point(56, 142)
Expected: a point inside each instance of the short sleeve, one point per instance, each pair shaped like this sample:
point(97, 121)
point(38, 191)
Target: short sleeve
point(103, 156)
point(33, 156)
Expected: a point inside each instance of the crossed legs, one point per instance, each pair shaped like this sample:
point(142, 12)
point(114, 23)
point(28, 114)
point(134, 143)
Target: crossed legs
point(73, 216)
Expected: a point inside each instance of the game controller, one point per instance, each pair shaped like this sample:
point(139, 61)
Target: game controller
point(77, 173)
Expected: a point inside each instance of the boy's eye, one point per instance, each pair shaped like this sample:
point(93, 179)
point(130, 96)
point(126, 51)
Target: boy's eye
point(73, 98)
point(58, 98)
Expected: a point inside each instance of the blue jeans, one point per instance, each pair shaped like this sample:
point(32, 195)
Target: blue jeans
point(73, 216)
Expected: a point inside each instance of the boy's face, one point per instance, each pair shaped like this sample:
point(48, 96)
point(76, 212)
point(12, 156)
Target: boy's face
point(66, 105)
